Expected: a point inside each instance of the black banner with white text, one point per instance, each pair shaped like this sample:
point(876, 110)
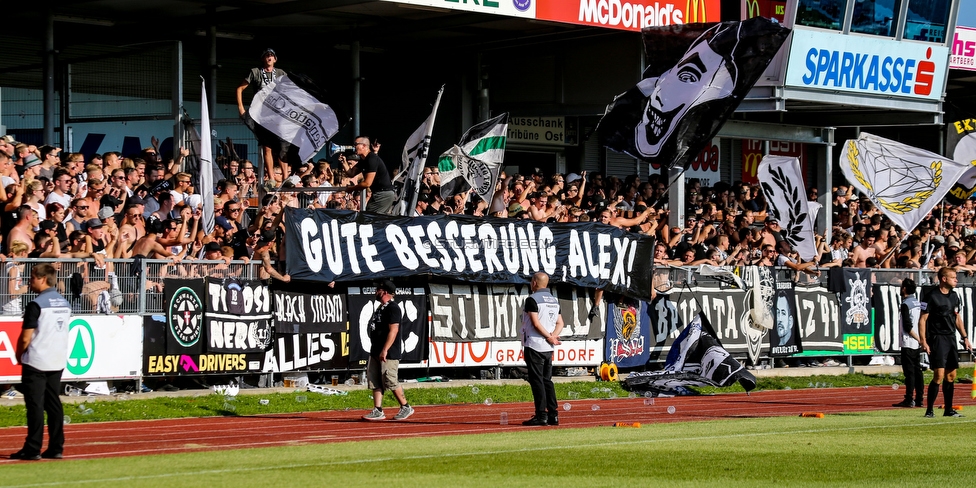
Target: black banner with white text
point(341, 245)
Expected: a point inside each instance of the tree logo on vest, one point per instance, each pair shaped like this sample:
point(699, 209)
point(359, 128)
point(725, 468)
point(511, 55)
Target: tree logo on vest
point(82, 354)
point(185, 317)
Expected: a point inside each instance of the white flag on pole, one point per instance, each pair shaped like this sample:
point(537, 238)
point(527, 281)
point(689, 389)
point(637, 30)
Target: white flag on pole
point(294, 115)
point(414, 157)
point(781, 180)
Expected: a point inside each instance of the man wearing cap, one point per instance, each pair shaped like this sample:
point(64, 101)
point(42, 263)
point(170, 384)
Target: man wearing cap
point(271, 146)
point(385, 352)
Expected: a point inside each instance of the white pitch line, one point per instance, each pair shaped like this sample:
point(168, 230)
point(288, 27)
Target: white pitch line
point(479, 453)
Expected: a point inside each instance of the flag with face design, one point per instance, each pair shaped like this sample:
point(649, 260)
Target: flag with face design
point(695, 78)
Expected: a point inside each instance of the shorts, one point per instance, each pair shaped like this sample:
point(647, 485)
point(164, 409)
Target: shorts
point(381, 202)
point(382, 375)
point(943, 353)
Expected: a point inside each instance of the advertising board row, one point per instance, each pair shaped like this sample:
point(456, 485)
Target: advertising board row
point(448, 326)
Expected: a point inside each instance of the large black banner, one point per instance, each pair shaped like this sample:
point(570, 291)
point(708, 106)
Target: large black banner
point(466, 313)
point(306, 313)
point(855, 301)
point(238, 317)
point(159, 359)
point(414, 328)
point(337, 245)
point(696, 76)
point(184, 302)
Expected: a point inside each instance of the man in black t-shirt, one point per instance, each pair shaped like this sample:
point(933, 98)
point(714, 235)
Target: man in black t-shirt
point(385, 352)
point(937, 326)
point(375, 177)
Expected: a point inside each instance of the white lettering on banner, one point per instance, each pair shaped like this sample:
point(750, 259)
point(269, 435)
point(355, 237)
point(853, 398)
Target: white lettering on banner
point(327, 308)
point(289, 308)
point(518, 248)
point(306, 350)
point(257, 299)
point(236, 334)
point(888, 330)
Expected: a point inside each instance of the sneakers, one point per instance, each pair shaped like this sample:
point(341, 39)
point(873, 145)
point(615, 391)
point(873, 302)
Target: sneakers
point(929, 414)
point(832, 363)
point(536, 421)
point(405, 411)
point(376, 414)
point(553, 420)
point(952, 413)
point(23, 456)
point(904, 404)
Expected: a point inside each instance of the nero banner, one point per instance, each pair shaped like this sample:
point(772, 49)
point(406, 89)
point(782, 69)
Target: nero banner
point(184, 315)
point(817, 311)
point(462, 313)
point(304, 313)
point(336, 245)
point(158, 361)
point(628, 331)
point(238, 317)
point(306, 352)
point(362, 303)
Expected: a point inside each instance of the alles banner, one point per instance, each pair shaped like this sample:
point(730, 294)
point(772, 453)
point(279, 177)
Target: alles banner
point(631, 15)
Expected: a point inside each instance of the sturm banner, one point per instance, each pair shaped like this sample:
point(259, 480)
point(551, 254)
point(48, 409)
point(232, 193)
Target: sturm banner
point(461, 313)
point(238, 317)
point(341, 245)
point(362, 303)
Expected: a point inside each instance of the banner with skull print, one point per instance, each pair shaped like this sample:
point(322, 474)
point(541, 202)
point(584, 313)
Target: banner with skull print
point(628, 331)
point(238, 317)
point(856, 312)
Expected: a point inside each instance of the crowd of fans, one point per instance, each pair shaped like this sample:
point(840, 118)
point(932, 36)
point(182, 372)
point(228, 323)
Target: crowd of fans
point(138, 206)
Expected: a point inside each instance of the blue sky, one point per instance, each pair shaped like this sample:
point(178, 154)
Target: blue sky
point(967, 13)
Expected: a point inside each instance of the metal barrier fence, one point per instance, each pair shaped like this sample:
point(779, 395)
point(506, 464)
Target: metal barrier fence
point(116, 286)
point(126, 286)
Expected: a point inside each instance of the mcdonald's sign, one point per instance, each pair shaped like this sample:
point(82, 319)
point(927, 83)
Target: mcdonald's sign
point(771, 9)
point(631, 15)
point(752, 154)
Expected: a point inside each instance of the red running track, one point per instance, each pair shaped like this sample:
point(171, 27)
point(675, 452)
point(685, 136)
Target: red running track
point(108, 439)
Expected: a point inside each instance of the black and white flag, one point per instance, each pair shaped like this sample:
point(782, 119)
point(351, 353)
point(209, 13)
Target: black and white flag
point(414, 157)
point(781, 180)
point(696, 76)
point(295, 115)
point(697, 358)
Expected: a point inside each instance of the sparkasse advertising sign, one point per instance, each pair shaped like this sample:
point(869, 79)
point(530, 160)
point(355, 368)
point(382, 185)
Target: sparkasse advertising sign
point(865, 65)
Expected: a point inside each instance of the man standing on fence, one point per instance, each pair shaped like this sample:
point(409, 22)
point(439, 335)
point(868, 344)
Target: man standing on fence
point(937, 328)
point(271, 146)
point(385, 352)
point(910, 362)
point(43, 352)
point(541, 325)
